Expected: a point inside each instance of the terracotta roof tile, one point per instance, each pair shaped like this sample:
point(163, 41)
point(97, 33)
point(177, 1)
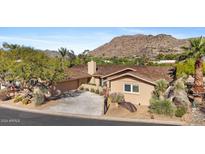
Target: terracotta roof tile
point(78, 71)
point(151, 73)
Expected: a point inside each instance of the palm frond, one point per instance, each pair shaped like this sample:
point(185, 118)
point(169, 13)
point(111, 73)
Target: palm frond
point(196, 49)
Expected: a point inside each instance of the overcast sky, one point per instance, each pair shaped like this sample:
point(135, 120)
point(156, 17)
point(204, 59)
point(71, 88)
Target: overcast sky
point(79, 39)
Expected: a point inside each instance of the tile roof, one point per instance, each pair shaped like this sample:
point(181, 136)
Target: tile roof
point(151, 73)
point(78, 71)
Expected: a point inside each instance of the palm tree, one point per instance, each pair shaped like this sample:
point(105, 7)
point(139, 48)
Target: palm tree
point(196, 51)
point(71, 56)
point(160, 88)
point(63, 52)
point(10, 46)
point(83, 56)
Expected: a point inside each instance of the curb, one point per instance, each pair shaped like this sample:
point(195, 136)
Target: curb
point(94, 117)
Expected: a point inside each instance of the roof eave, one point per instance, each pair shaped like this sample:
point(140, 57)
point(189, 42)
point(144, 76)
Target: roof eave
point(135, 76)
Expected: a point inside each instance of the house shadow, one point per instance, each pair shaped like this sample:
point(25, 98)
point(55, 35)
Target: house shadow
point(67, 94)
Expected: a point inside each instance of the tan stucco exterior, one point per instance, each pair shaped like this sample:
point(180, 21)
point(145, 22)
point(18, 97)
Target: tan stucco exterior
point(97, 81)
point(145, 89)
point(91, 67)
point(115, 81)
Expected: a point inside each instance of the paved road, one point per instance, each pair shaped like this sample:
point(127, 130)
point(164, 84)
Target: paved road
point(10, 117)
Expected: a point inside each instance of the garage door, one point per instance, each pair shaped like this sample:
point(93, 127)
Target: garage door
point(67, 85)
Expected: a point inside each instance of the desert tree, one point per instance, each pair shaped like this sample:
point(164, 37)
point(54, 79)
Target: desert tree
point(196, 51)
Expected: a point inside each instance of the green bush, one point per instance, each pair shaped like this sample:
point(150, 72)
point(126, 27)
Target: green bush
point(161, 87)
point(92, 90)
point(18, 98)
point(86, 89)
point(39, 99)
point(180, 111)
point(164, 106)
point(116, 97)
point(97, 91)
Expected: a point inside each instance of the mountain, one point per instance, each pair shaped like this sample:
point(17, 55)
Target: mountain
point(51, 53)
point(139, 45)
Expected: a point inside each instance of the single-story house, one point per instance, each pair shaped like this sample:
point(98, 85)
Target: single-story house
point(135, 82)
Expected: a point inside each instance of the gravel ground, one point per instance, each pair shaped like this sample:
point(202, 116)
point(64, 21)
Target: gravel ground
point(198, 117)
point(85, 103)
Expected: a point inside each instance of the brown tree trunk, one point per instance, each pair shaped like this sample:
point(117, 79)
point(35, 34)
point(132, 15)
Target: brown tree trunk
point(198, 87)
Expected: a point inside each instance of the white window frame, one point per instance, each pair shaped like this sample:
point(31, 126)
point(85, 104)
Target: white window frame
point(131, 92)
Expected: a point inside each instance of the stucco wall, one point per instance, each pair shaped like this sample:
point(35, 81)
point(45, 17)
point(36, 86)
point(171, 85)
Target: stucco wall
point(95, 80)
point(145, 90)
point(92, 80)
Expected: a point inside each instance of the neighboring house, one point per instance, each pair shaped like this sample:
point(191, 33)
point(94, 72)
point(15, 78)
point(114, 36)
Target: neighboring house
point(135, 82)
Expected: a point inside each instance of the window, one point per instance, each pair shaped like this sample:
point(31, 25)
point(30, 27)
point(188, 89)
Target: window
point(135, 88)
point(127, 88)
point(131, 88)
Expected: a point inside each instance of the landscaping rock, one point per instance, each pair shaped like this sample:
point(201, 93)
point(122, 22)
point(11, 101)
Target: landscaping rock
point(181, 99)
point(169, 93)
point(129, 106)
point(177, 93)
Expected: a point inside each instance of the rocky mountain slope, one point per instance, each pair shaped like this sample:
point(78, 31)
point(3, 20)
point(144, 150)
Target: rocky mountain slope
point(51, 53)
point(139, 45)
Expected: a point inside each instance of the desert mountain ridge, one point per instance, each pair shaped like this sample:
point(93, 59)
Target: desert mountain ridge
point(139, 45)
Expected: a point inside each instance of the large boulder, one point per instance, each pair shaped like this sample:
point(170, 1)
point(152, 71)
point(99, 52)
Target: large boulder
point(129, 106)
point(181, 100)
point(178, 94)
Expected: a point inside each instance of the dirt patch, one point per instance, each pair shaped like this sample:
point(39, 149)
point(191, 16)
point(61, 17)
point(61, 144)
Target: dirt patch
point(141, 113)
point(29, 106)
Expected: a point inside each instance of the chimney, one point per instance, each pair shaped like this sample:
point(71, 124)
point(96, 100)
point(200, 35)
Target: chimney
point(91, 67)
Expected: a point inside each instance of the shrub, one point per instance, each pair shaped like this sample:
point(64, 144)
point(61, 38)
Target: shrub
point(101, 93)
point(163, 106)
point(180, 111)
point(4, 95)
point(86, 89)
point(18, 98)
point(26, 101)
point(92, 90)
point(161, 87)
point(179, 85)
point(97, 91)
point(39, 99)
point(81, 88)
point(116, 97)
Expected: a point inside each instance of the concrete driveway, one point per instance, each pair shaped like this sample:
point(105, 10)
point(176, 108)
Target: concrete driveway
point(85, 103)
